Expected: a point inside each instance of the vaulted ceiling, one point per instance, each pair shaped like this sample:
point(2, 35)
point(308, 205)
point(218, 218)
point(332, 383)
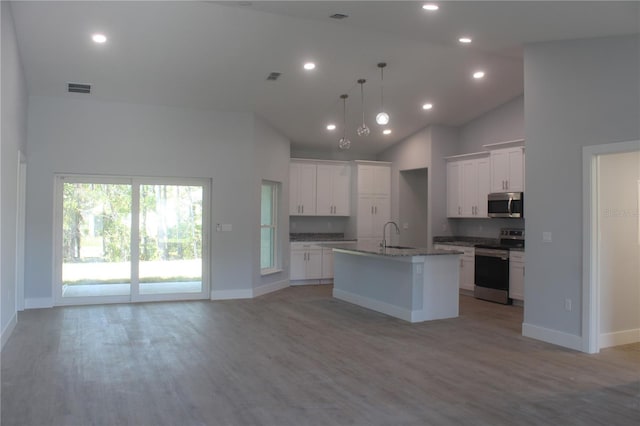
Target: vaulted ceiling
point(217, 55)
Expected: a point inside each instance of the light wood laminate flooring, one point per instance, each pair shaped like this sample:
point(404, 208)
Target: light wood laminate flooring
point(300, 357)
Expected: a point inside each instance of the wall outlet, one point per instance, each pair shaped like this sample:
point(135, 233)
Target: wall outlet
point(546, 237)
point(567, 305)
point(405, 225)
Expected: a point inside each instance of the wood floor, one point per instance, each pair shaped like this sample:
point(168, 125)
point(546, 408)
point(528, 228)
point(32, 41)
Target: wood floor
point(299, 357)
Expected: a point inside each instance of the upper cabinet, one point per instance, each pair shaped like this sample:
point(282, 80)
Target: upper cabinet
point(507, 169)
point(374, 179)
point(333, 189)
point(372, 200)
point(468, 183)
point(302, 189)
point(319, 188)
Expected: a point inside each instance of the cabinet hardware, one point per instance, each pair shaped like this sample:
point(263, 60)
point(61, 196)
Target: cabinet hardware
point(303, 209)
point(459, 210)
point(376, 209)
point(371, 209)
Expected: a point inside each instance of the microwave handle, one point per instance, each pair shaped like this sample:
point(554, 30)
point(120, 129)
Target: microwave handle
point(509, 206)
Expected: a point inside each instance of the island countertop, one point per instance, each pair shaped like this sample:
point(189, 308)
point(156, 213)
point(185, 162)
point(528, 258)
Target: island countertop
point(374, 249)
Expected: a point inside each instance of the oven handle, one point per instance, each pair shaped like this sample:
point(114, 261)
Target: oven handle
point(501, 254)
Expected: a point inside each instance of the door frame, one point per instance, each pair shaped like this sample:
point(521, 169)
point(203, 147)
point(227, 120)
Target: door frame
point(134, 294)
point(590, 226)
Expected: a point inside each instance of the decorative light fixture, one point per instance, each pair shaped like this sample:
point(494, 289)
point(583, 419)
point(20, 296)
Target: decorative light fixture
point(344, 143)
point(382, 118)
point(363, 130)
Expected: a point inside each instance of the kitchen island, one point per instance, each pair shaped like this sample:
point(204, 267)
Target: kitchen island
point(412, 284)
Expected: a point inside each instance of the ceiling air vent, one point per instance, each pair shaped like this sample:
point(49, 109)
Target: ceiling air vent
point(273, 76)
point(79, 88)
point(338, 16)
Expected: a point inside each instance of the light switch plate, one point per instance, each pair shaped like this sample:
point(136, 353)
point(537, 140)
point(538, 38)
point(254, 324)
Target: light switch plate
point(546, 237)
point(226, 227)
point(405, 225)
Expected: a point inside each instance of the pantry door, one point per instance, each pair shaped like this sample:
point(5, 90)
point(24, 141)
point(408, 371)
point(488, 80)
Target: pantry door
point(129, 239)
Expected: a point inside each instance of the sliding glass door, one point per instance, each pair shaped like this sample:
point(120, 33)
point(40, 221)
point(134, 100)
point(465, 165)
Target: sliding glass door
point(125, 239)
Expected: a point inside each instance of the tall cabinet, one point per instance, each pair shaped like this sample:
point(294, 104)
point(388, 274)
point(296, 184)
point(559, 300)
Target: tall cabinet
point(302, 188)
point(468, 184)
point(372, 199)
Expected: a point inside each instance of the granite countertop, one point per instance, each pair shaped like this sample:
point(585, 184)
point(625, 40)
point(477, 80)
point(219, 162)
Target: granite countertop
point(371, 248)
point(464, 241)
point(317, 236)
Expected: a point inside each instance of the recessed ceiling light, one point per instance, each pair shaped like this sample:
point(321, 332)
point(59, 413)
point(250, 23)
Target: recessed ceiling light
point(478, 74)
point(386, 131)
point(465, 40)
point(427, 106)
point(99, 38)
point(431, 7)
point(331, 126)
point(309, 66)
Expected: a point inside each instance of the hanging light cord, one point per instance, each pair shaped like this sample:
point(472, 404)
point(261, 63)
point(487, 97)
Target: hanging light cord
point(381, 88)
point(344, 116)
point(362, 98)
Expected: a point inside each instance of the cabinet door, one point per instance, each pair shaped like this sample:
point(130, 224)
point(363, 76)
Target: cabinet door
point(341, 190)
point(453, 189)
point(365, 217)
point(468, 188)
point(327, 263)
point(467, 272)
point(314, 264)
point(499, 170)
point(516, 280)
point(382, 180)
point(324, 190)
point(515, 180)
point(381, 214)
point(307, 194)
point(294, 189)
point(484, 186)
point(298, 265)
point(365, 180)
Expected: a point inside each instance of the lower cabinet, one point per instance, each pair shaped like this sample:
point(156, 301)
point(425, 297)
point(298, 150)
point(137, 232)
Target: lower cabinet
point(467, 265)
point(516, 275)
point(310, 264)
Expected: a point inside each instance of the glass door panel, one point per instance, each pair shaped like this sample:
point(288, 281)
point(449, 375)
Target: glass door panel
point(170, 239)
point(96, 235)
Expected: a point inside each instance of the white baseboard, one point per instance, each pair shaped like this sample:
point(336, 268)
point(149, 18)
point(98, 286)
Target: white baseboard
point(619, 338)
point(38, 303)
point(231, 294)
point(376, 305)
point(555, 337)
point(8, 329)
point(269, 288)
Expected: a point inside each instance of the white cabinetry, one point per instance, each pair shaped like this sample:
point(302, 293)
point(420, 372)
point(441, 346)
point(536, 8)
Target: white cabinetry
point(373, 199)
point(468, 183)
point(507, 169)
point(516, 275)
point(333, 189)
point(302, 189)
point(467, 264)
point(306, 261)
point(327, 263)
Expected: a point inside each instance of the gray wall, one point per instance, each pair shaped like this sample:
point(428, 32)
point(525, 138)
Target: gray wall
point(73, 135)
point(425, 149)
point(577, 93)
point(271, 161)
point(13, 139)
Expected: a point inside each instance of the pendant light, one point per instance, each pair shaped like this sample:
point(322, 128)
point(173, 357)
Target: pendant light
point(363, 130)
point(344, 143)
point(382, 118)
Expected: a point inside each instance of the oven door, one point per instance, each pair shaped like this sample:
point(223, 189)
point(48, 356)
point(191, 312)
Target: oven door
point(492, 268)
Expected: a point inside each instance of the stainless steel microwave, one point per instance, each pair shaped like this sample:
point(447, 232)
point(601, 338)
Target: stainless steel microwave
point(506, 204)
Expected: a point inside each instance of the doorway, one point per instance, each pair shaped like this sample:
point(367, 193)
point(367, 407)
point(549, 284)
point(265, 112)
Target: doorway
point(611, 257)
point(413, 192)
point(130, 239)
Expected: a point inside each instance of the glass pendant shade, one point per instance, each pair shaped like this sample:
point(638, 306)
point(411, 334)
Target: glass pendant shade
point(344, 143)
point(382, 118)
point(363, 130)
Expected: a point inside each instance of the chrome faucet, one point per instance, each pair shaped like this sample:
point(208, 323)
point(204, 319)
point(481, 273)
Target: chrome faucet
point(384, 229)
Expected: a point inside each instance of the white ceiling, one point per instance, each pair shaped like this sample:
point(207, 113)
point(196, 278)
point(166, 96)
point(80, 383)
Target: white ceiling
point(217, 55)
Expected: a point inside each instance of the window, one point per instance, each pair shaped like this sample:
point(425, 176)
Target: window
point(268, 227)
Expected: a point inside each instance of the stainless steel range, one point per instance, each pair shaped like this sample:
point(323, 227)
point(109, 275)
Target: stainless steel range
point(492, 266)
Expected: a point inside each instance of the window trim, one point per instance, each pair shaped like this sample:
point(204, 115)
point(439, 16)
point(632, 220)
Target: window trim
point(275, 198)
